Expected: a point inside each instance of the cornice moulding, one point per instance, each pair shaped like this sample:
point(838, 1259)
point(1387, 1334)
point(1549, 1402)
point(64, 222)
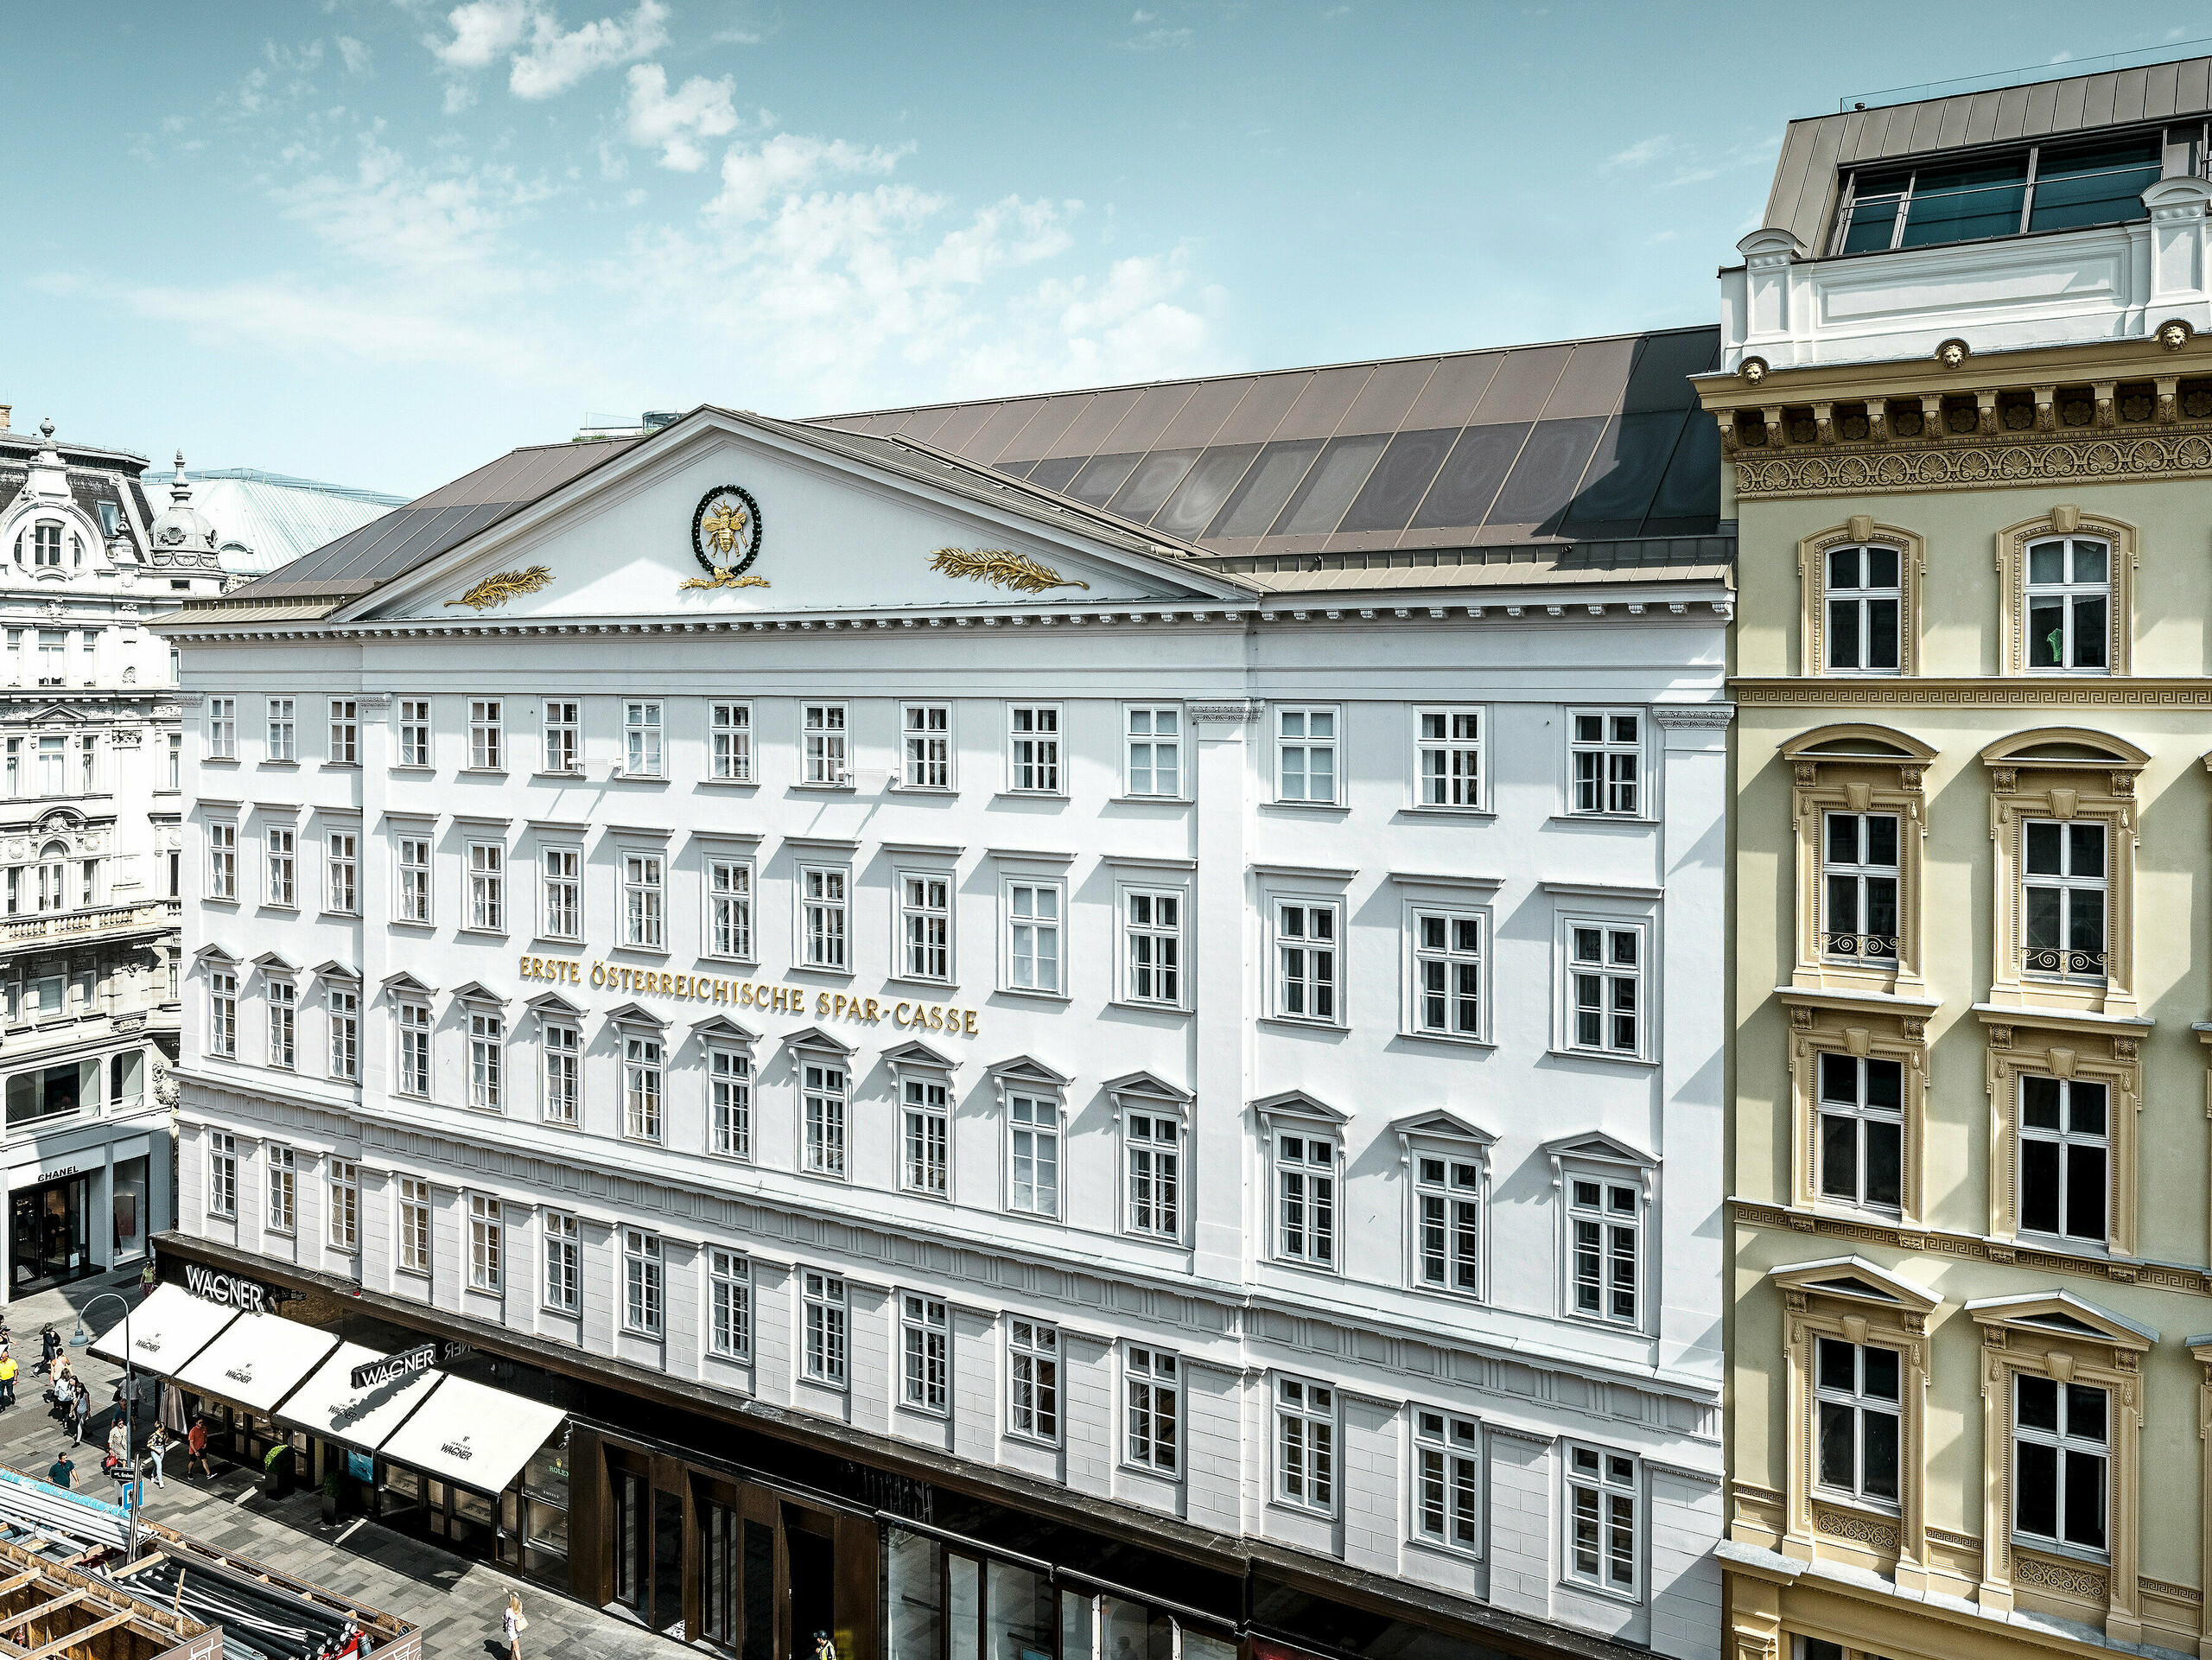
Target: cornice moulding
point(1968, 691)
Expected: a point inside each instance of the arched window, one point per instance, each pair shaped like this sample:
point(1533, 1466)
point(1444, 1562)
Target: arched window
point(53, 876)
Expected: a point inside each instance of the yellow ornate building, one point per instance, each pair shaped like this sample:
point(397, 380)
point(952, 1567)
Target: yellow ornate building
point(1966, 400)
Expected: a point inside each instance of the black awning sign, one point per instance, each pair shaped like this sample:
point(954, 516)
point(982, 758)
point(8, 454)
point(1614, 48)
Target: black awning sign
point(391, 1366)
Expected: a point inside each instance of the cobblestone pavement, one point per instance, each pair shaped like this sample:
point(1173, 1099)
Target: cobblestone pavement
point(456, 1601)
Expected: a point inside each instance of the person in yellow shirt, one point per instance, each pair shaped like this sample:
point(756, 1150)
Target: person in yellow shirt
point(7, 1381)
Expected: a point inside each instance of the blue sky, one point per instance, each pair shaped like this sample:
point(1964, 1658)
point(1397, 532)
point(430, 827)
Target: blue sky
point(378, 241)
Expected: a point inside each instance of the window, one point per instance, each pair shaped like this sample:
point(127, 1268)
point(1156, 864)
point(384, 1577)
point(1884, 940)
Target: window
point(222, 862)
point(1606, 1221)
point(1605, 979)
point(342, 873)
point(1306, 1445)
point(487, 1035)
point(929, 745)
point(1306, 1199)
point(88, 752)
point(2064, 1156)
point(728, 1077)
point(414, 879)
point(2063, 898)
point(822, 1091)
point(1449, 1194)
point(345, 1207)
point(1858, 1392)
point(283, 1189)
point(283, 1024)
point(1156, 750)
point(2068, 604)
point(1448, 973)
point(1152, 1144)
point(413, 1225)
point(824, 1298)
point(52, 664)
point(222, 1013)
point(1033, 936)
point(45, 543)
point(729, 908)
point(222, 1174)
point(1152, 924)
point(1034, 1376)
point(641, 1281)
point(642, 912)
point(487, 748)
point(1034, 1151)
point(1449, 1479)
point(1448, 757)
point(1033, 735)
point(731, 727)
point(344, 1009)
point(729, 1303)
point(484, 1241)
point(1862, 1131)
point(1608, 759)
point(1305, 961)
point(2043, 188)
point(176, 874)
point(564, 1263)
point(928, 1137)
point(822, 917)
point(565, 738)
point(487, 886)
point(561, 894)
point(284, 730)
point(1305, 755)
point(925, 927)
point(222, 724)
point(641, 1081)
point(1859, 884)
point(282, 868)
point(344, 732)
point(54, 877)
point(926, 1346)
point(2061, 1462)
point(1866, 600)
point(1602, 1495)
point(823, 735)
point(414, 1049)
point(1151, 1389)
point(641, 739)
point(413, 732)
point(564, 1054)
point(175, 778)
point(53, 765)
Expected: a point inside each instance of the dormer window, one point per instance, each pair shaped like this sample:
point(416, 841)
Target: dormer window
point(111, 518)
point(46, 544)
point(2041, 187)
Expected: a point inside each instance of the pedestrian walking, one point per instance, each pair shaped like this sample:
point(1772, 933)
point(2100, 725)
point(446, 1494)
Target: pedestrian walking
point(80, 1413)
point(157, 1450)
point(147, 1279)
point(512, 1624)
point(7, 1380)
point(49, 1347)
point(61, 1473)
point(195, 1443)
point(119, 1438)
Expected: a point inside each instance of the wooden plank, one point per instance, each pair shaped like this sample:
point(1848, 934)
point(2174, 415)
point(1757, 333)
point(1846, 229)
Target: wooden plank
point(77, 1595)
point(140, 1565)
point(18, 1582)
point(80, 1635)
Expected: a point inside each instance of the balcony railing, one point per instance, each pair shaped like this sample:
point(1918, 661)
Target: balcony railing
point(2057, 959)
point(152, 914)
point(1880, 949)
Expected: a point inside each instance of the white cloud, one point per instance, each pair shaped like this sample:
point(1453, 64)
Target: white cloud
point(788, 164)
point(735, 37)
point(439, 228)
point(356, 55)
point(1643, 152)
point(1154, 40)
point(545, 57)
point(482, 30)
point(676, 121)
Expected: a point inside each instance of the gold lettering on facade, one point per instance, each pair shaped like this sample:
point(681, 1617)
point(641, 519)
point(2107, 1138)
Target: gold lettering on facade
point(602, 976)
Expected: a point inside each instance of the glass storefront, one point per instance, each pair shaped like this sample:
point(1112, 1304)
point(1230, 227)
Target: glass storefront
point(132, 1222)
point(50, 1237)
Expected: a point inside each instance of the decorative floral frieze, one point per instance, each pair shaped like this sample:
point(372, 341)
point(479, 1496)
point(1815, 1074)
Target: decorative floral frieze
point(1969, 465)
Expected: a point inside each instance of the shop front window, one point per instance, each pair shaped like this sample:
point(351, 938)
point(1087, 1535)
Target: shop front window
point(51, 1091)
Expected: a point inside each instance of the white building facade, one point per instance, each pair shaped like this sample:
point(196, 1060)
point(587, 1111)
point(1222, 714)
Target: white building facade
point(1122, 1071)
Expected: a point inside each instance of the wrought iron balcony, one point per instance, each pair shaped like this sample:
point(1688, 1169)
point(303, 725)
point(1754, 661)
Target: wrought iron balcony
point(1880, 949)
point(112, 922)
point(2057, 959)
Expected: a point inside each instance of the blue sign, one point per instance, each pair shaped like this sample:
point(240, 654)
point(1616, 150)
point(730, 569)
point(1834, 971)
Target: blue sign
point(362, 1466)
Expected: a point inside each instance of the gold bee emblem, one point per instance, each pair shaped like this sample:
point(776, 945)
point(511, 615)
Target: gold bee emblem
point(726, 539)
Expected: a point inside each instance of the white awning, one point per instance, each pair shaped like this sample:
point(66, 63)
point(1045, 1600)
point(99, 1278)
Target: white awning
point(257, 1360)
point(328, 1405)
point(475, 1436)
point(166, 1330)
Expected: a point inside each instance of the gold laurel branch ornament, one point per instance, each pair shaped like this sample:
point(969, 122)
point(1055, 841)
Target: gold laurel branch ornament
point(723, 579)
point(1001, 566)
point(497, 590)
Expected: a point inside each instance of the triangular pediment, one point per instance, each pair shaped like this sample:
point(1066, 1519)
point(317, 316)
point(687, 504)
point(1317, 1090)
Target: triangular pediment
point(815, 1038)
point(1027, 1069)
point(723, 515)
point(1595, 1147)
point(728, 1030)
point(2061, 1313)
point(1853, 1279)
point(1296, 1103)
point(1437, 1124)
point(915, 1053)
point(1140, 1089)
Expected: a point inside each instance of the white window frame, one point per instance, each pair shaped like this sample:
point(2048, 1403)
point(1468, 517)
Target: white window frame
point(1032, 1378)
point(223, 859)
point(645, 1085)
point(1447, 1481)
point(2065, 1141)
point(1152, 1411)
point(342, 1007)
point(924, 1131)
point(1135, 978)
point(927, 901)
point(486, 1244)
point(2067, 594)
point(416, 735)
point(1290, 727)
point(1863, 1116)
point(927, 754)
point(823, 917)
point(645, 738)
point(1609, 784)
point(1303, 1440)
point(1036, 1152)
point(417, 1228)
point(560, 1072)
point(1155, 1156)
point(488, 1042)
point(222, 1013)
point(1144, 739)
point(1449, 1220)
point(283, 742)
point(1036, 749)
point(924, 1353)
point(2064, 961)
point(562, 723)
point(1027, 932)
point(283, 1188)
point(1611, 977)
point(826, 1328)
point(487, 737)
point(341, 887)
point(727, 889)
point(222, 1174)
point(222, 727)
point(562, 1259)
point(280, 869)
point(1860, 596)
point(281, 996)
point(1591, 1199)
point(1451, 770)
point(1438, 950)
point(644, 899)
point(729, 1304)
point(644, 1283)
point(2065, 1444)
point(1852, 1401)
point(730, 1102)
point(1305, 1221)
point(1306, 959)
point(1596, 1480)
point(560, 891)
point(729, 741)
point(342, 1219)
point(344, 732)
point(416, 854)
point(825, 1102)
point(412, 1077)
point(1855, 884)
point(826, 756)
point(487, 887)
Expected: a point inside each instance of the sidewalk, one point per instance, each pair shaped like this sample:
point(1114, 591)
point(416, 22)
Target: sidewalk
point(457, 1602)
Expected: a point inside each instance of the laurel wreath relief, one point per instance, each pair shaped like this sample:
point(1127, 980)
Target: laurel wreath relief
point(1001, 566)
point(498, 589)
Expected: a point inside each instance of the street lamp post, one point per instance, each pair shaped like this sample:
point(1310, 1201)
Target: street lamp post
point(78, 1339)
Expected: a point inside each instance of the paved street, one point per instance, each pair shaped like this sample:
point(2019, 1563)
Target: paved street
point(456, 1602)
